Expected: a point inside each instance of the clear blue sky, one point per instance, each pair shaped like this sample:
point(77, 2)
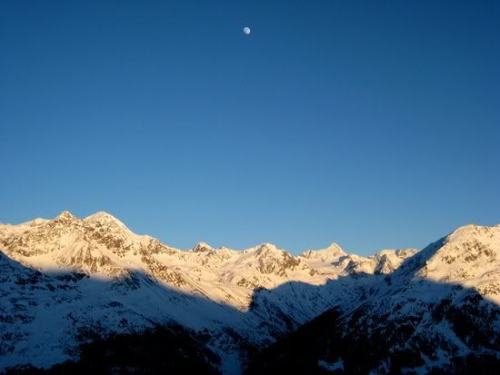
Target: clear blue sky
point(374, 124)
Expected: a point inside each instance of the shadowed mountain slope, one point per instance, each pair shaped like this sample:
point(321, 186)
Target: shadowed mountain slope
point(71, 285)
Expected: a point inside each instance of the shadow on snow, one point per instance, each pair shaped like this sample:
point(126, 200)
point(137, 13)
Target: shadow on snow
point(138, 325)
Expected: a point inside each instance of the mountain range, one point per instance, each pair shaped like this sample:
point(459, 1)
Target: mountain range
point(74, 288)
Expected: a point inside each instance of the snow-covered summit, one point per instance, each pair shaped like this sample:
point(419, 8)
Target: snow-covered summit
point(104, 218)
point(333, 251)
point(75, 272)
point(202, 246)
point(65, 215)
point(469, 256)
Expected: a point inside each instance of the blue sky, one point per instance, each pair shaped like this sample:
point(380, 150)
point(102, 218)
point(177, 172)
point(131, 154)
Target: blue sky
point(374, 124)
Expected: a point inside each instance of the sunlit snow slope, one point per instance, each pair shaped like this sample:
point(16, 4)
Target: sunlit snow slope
point(62, 281)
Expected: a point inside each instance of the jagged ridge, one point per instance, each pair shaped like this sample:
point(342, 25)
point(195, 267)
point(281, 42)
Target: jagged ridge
point(95, 269)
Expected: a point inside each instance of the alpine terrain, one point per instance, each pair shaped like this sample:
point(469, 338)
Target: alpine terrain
point(87, 294)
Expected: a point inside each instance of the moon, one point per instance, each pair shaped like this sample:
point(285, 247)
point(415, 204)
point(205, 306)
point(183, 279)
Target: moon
point(246, 30)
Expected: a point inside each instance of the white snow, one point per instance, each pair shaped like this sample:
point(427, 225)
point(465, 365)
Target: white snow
point(134, 281)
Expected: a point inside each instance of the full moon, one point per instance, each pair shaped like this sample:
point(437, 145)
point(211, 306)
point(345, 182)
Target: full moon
point(246, 30)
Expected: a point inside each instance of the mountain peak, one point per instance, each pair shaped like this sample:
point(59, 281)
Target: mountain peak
point(268, 245)
point(464, 231)
point(66, 215)
point(333, 249)
point(106, 274)
point(103, 217)
point(202, 246)
point(267, 248)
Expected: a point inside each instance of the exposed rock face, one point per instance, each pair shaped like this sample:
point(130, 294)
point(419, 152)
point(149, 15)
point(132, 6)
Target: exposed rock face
point(439, 312)
point(64, 275)
point(96, 270)
point(102, 245)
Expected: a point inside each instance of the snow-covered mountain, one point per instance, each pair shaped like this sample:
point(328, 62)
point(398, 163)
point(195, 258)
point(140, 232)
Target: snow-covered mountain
point(68, 280)
point(439, 312)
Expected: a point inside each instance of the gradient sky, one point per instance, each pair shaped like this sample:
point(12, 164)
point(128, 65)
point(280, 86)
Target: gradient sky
point(373, 124)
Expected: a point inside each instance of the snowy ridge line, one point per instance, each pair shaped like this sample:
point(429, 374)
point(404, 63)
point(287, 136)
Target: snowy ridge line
point(64, 276)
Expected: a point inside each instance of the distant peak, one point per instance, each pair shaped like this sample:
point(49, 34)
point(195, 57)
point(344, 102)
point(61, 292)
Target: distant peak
point(465, 229)
point(66, 215)
point(202, 246)
point(103, 217)
point(332, 249)
point(268, 249)
point(267, 245)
